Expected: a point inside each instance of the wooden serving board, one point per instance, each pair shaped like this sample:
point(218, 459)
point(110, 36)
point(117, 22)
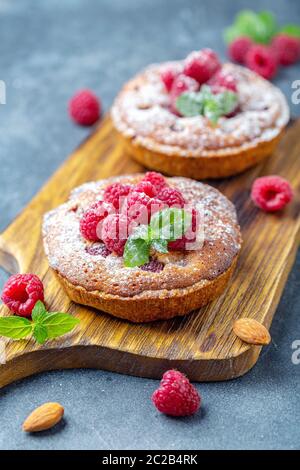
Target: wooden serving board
point(201, 344)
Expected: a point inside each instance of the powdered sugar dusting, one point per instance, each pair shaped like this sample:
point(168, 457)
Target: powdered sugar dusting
point(67, 250)
point(141, 111)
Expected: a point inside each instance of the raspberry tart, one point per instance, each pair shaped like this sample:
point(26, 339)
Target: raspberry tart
point(143, 247)
point(199, 118)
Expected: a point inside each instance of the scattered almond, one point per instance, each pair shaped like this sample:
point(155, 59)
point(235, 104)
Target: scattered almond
point(251, 331)
point(44, 417)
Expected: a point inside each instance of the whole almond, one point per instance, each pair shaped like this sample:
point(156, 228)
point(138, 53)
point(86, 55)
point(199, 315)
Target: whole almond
point(251, 331)
point(44, 417)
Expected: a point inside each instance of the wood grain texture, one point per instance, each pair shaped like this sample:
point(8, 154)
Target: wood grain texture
point(201, 344)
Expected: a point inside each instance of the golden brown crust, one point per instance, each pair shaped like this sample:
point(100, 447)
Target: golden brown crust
point(156, 305)
point(220, 165)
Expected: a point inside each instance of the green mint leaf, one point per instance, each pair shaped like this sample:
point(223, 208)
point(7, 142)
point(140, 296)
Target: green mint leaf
point(40, 333)
point(226, 101)
point(189, 104)
point(212, 111)
point(270, 24)
point(136, 252)
point(291, 30)
point(260, 27)
point(38, 311)
point(160, 245)
point(231, 33)
point(169, 224)
point(15, 327)
point(58, 324)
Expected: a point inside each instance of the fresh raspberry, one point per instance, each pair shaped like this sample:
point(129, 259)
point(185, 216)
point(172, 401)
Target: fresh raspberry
point(271, 193)
point(115, 194)
point(147, 188)
point(262, 60)
point(154, 266)
point(84, 108)
point(21, 292)
point(238, 49)
point(156, 179)
point(140, 207)
point(115, 232)
point(201, 65)
point(98, 249)
point(181, 84)
point(176, 396)
point(172, 197)
point(181, 244)
point(168, 76)
point(223, 79)
point(286, 48)
point(91, 221)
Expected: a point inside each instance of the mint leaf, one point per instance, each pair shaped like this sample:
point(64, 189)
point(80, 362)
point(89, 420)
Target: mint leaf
point(189, 104)
point(270, 24)
point(160, 245)
point(231, 33)
point(136, 252)
point(170, 224)
point(291, 30)
point(58, 323)
point(227, 102)
point(40, 333)
point(260, 27)
point(38, 311)
point(15, 327)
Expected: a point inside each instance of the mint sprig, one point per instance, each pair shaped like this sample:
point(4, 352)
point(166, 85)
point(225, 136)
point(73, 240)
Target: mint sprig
point(206, 103)
point(43, 326)
point(166, 225)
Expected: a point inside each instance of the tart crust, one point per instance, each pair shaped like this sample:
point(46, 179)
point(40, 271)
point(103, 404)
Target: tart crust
point(191, 147)
point(188, 280)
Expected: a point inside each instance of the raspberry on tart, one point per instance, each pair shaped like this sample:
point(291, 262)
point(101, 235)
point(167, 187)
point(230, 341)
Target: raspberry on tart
point(160, 136)
point(168, 283)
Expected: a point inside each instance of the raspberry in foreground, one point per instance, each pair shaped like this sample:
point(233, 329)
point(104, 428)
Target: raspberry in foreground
point(286, 48)
point(147, 188)
point(115, 194)
point(21, 292)
point(84, 108)
point(140, 207)
point(201, 65)
point(181, 84)
point(115, 232)
point(153, 266)
point(238, 49)
point(90, 222)
point(262, 60)
point(271, 193)
point(176, 396)
point(172, 197)
point(156, 179)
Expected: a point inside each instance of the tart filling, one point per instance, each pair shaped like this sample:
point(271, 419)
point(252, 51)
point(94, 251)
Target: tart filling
point(94, 265)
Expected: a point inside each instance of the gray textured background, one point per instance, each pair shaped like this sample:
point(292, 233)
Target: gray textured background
point(49, 49)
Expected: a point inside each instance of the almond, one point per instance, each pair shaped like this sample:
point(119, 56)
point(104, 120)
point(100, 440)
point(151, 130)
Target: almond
point(44, 417)
point(251, 331)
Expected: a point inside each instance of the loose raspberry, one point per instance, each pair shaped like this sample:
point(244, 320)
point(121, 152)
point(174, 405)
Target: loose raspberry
point(168, 76)
point(286, 48)
point(181, 244)
point(91, 221)
point(271, 193)
point(181, 84)
point(84, 108)
point(98, 249)
point(147, 188)
point(222, 80)
point(115, 231)
point(176, 396)
point(262, 60)
point(153, 266)
point(115, 194)
point(172, 197)
point(21, 292)
point(201, 65)
point(238, 49)
point(140, 207)
point(156, 179)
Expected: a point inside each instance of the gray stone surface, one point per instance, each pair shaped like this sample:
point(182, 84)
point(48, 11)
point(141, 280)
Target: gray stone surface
point(47, 51)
